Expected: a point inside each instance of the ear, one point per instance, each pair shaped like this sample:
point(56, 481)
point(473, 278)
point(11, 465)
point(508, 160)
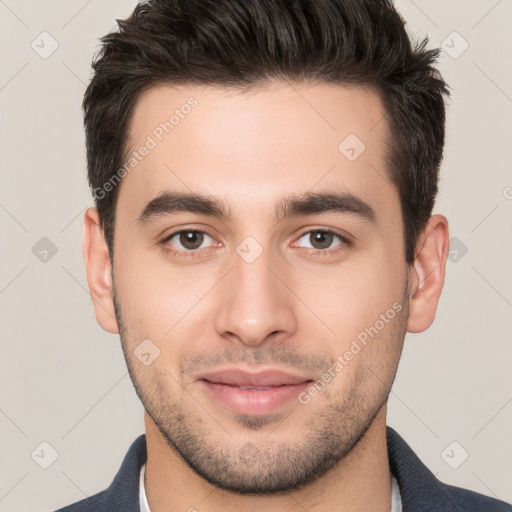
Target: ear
point(426, 275)
point(99, 271)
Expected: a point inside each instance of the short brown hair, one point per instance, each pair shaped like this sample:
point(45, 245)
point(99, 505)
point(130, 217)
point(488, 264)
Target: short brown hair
point(240, 43)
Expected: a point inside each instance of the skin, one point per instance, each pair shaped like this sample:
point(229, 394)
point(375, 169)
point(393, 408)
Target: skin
point(290, 309)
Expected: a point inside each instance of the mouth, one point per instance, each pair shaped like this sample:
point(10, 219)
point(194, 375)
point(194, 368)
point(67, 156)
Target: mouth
point(253, 393)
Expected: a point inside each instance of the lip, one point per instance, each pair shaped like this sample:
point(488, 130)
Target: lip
point(262, 378)
point(237, 389)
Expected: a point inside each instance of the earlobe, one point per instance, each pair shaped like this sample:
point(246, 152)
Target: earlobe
point(427, 274)
point(99, 271)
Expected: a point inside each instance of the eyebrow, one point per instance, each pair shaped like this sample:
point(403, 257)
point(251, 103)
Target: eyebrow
point(296, 205)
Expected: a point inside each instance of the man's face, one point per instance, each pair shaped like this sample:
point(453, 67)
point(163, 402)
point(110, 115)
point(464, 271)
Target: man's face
point(249, 309)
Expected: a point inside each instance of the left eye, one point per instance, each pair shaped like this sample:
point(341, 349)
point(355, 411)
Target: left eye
point(321, 239)
point(189, 240)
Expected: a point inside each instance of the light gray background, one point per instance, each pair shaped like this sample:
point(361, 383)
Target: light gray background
point(63, 380)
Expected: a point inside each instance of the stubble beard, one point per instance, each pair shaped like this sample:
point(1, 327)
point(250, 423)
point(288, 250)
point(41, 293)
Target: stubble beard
point(271, 465)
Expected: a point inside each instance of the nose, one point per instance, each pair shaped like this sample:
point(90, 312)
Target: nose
point(254, 304)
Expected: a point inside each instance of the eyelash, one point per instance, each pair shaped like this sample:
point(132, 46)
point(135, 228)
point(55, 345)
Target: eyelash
point(185, 254)
point(345, 242)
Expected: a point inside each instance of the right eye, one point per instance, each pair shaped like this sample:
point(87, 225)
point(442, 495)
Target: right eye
point(188, 240)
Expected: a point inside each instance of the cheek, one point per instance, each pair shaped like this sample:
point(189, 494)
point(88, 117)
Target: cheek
point(361, 302)
point(369, 357)
point(159, 300)
point(352, 295)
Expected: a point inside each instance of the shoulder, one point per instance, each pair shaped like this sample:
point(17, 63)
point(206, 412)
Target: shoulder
point(91, 504)
point(123, 493)
point(470, 501)
point(421, 491)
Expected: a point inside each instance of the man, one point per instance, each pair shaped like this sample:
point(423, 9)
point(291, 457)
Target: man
point(264, 175)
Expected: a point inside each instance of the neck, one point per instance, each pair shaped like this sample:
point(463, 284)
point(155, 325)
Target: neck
point(361, 481)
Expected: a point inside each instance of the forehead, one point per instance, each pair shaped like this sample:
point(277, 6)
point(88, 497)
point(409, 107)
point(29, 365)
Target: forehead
point(258, 145)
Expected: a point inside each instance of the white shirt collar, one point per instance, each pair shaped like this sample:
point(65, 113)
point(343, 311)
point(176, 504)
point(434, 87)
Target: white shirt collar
point(396, 499)
point(143, 501)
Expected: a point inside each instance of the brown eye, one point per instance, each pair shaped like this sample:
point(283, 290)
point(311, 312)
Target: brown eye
point(322, 240)
point(189, 240)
